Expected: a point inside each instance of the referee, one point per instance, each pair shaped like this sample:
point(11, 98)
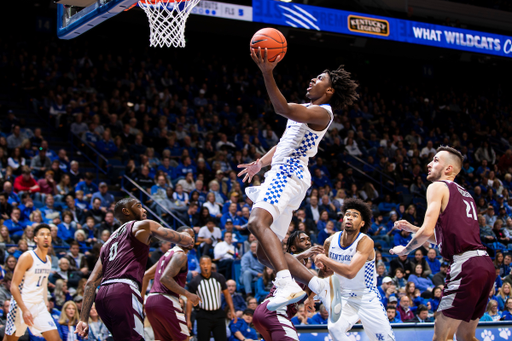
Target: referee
point(210, 317)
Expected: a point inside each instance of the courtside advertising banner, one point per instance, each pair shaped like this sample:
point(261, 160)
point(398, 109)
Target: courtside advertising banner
point(371, 26)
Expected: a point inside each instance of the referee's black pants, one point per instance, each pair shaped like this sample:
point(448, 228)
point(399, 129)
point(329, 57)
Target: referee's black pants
point(211, 321)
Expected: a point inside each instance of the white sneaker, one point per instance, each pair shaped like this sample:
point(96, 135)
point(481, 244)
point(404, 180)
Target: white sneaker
point(331, 297)
point(287, 292)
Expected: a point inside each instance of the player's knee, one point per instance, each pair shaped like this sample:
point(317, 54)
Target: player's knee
point(465, 335)
point(256, 226)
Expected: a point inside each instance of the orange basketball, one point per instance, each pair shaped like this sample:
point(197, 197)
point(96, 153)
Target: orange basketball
point(271, 39)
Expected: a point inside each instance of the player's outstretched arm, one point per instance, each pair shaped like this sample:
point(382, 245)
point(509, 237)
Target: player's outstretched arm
point(147, 229)
point(364, 249)
point(94, 280)
point(314, 114)
point(24, 263)
point(407, 226)
point(435, 194)
point(178, 263)
point(148, 275)
point(253, 168)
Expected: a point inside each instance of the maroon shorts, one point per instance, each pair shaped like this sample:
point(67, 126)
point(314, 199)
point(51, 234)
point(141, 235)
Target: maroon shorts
point(274, 325)
point(120, 308)
point(166, 318)
point(468, 284)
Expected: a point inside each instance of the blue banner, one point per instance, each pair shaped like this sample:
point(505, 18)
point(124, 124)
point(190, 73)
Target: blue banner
point(493, 331)
point(372, 26)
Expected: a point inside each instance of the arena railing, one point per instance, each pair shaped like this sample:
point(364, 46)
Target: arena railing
point(142, 198)
point(88, 151)
point(370, 178)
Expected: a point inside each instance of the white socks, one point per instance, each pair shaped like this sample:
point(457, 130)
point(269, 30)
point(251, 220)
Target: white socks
point(283, 274)
point(315, 284)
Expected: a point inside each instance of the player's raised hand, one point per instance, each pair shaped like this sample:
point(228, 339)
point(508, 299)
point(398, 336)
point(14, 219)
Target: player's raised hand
point(251, 169)
point(28, 318)
point(309, 304)
point(194, 299)
point(405, 226)
point(399, 250)
point(82, 329)
point(313, 251)
point(260, 57)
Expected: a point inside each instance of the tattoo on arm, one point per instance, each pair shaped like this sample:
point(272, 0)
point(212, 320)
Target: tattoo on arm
point(172, 270)
point(89, 296)
point(413, 244)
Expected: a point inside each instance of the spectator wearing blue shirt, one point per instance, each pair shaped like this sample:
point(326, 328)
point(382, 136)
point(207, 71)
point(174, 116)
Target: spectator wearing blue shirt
point(106, 145)
point(251, 268)
point(27, 206)
point(386, 283)
point(387, 206)
point(436, 298)
point(507, 313)
point(49, 211)
point(503, 295)
point(233, 199)
point(505, 268)
point(15, 226)
point(321, 317)
point(185, 167)
point(237, 237)
point(87, 186)
point(433, 262)
point(402, 238)
point(238, 301)
point(233, 215)
point(320, 180)
point(13, 198)
point(67, 228)
point(378, 230)
point(106, 198)
point(166, 168)
point(242, 330)
point(301, 318)
point(320, 165)
point(492, 314)
point(419, 281)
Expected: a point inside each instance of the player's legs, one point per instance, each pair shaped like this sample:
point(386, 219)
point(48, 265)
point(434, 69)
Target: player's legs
point(349, 316)
point(51, 335)
point(374, 319)
point(466, 330)
point(274, 325)
point(11, 337)
point(259, 225)
point(445, 327)
point(166, 318)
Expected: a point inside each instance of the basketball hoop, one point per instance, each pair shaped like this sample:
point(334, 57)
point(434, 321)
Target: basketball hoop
point(167, 20)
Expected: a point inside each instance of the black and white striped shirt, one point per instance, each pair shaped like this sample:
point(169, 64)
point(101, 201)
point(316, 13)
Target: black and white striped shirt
point(209, 290)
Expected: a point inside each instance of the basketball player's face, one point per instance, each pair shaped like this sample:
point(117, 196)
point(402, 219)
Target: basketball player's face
point(302, 243)
point(318, 86)
point(352, 222)
point(138, 211)
point(43, 239)
point(436, 167)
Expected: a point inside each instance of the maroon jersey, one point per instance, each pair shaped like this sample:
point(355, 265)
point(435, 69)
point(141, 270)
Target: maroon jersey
point(457, 228)
point(124, 256)
point(291, 309)
point(180, 278)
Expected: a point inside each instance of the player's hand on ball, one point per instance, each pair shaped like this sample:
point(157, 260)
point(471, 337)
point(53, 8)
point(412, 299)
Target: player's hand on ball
point(260, 57)
point(251, 169)
point(194, 299)
point(27, 317)
point(82, 329)
point(399, 251)
point(315, 250)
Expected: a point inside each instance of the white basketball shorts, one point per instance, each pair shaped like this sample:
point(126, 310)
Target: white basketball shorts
point(279, 195)
point(43, 321)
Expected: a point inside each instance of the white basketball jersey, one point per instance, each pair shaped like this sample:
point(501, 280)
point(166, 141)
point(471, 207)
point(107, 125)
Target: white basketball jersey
point(366, 279)
point(297, 145)
point(35, 281)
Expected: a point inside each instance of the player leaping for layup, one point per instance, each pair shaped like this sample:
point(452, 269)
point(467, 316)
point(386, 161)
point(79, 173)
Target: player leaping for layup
point(352, 258)
point(288, 180)
point(451, 214)
point(29, 289)
point(120, 270)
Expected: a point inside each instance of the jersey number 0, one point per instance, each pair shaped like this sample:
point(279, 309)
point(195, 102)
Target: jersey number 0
point(113, 251)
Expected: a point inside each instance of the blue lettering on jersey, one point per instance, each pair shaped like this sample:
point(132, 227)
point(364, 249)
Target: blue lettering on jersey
point(340, 258)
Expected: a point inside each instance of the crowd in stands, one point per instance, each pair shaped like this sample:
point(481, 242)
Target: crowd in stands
point(181, 134)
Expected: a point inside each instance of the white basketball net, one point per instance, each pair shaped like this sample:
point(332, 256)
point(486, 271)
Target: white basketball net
point(167, 20)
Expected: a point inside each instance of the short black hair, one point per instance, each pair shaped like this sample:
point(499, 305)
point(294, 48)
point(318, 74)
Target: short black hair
point(344, 87)
point(123, 203)
point(41, 226)
point(421, 308)
point(249, 312)
point(183, 228)
point(362, 208)
point(205, 257)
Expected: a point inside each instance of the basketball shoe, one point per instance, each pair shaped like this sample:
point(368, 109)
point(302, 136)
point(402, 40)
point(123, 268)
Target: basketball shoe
point(331, 297)
point(287, 292)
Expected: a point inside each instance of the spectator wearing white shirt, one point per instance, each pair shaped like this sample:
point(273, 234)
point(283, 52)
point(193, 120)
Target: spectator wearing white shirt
point(213, 207)
point(225, 253)
point(427, 150)
point(209, 235)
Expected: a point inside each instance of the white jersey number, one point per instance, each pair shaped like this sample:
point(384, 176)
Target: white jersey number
point(113, 251)
point(470, 210)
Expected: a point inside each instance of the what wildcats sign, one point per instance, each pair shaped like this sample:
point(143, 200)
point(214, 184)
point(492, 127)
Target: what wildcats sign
point(345, 22)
